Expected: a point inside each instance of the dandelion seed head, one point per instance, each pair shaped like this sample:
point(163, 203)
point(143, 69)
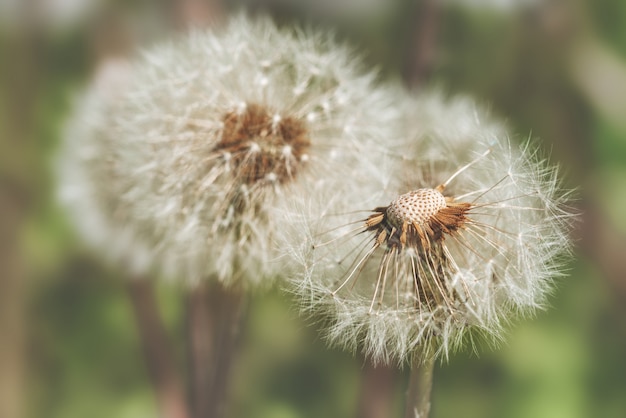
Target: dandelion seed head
point(195, 156)
point(467, 234)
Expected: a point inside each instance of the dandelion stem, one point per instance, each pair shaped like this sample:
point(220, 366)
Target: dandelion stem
point(162, 368)
point(12, 298)
point(214, 320)
point(377, 390)
point(231, 315)
point(420, 386)
point(423, 43)
point(201, 347)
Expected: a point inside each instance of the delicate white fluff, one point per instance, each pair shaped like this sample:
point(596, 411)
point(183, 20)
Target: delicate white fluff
point(498, 265)
point(139, 171)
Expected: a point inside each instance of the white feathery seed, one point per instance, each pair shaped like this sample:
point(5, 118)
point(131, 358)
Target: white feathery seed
point(468, 234)
point(187, 163)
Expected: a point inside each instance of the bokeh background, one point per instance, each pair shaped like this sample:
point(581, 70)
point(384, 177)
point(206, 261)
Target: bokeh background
point(553, 69)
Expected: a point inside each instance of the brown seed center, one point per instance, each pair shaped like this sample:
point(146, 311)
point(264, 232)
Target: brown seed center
point(263, 145)
point(416, 207)
point(419, 219)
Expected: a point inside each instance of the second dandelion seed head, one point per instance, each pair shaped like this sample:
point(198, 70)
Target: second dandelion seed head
point(439, 265)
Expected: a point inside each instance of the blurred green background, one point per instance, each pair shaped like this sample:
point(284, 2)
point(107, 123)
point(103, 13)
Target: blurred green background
point(552, 69)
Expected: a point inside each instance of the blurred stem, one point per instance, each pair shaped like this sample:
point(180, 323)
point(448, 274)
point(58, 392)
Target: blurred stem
point(377, 390)
point(201, 331)
point(11, 304)
point(420, 387)
point(21, 76)
point(195, 13)
point(158, 355)
point(214, 319)
point(422, 46)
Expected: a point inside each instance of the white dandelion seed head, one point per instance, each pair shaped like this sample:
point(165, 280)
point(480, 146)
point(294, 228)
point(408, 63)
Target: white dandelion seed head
point(188, 164)
point(468, 233)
